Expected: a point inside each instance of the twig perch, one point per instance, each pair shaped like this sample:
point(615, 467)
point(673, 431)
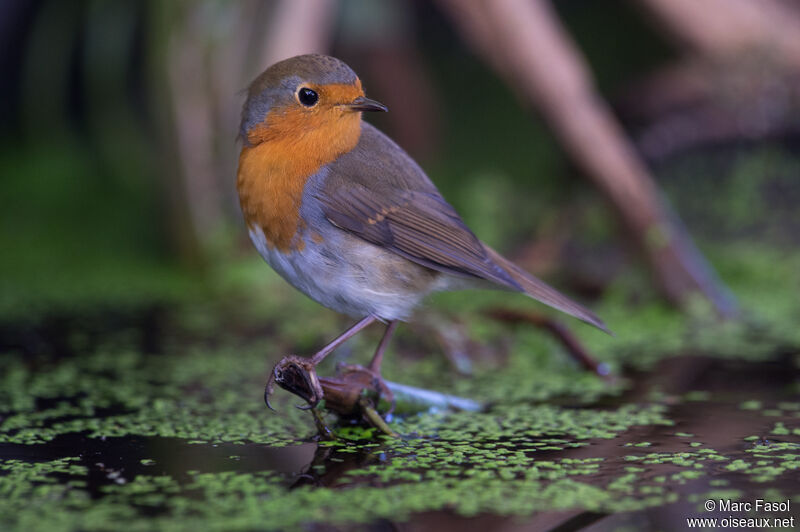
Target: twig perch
point(355, 392)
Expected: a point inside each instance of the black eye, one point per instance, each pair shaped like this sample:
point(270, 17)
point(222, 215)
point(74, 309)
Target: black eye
point(307, 97)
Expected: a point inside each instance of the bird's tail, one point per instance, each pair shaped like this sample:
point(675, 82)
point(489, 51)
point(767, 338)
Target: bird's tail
point(540, 291)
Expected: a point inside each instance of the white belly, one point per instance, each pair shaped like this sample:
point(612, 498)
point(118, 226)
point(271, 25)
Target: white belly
point(367, 281)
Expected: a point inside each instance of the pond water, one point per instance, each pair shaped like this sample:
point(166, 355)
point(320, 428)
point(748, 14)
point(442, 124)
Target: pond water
point(125, 422)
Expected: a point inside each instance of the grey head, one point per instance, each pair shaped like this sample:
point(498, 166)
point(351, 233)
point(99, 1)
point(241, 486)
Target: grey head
point(279, 84)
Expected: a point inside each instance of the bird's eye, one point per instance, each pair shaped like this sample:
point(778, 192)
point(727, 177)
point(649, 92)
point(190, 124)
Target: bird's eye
point(307, 97)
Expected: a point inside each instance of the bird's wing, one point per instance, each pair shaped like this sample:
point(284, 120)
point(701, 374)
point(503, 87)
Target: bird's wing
point(417, 225)
point(378, 193)
point(541, 291)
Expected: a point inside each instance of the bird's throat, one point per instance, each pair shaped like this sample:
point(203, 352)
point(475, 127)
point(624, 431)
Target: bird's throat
point(273, 170)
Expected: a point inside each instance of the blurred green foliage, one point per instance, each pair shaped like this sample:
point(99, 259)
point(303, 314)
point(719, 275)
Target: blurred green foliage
point(87, 179)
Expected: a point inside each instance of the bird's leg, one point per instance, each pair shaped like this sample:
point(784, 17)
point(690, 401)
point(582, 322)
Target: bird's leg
point(377, 358)
point(349, 333)
point(374, 367)
point(297, 374)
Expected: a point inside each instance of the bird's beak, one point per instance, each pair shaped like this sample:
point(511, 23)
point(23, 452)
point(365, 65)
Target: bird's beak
point(365, 104)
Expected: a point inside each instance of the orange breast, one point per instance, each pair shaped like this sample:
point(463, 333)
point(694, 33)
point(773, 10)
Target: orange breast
point(288, 148)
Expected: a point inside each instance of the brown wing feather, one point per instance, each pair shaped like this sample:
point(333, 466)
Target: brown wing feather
point(378, 193)
point(417, 225)
point(541, 291)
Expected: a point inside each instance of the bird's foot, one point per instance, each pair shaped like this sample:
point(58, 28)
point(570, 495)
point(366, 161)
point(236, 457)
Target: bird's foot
point(354, 391)
point(376, 382)
point(297, 375)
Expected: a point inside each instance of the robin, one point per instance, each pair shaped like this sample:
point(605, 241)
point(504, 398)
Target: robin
point(347, 217)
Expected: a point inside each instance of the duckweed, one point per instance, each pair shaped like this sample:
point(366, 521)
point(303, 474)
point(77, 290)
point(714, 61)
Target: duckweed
point(173, 434)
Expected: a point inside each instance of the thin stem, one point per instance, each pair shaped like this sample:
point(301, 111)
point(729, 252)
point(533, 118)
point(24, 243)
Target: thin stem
point(561, 332)
point(375, 418)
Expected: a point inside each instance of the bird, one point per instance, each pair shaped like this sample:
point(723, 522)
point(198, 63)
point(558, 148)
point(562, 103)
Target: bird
point(347, 217)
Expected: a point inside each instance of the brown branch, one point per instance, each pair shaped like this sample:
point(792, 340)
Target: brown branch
point(297, 28)
point(561, 333)
point(524, 41)
point(725, 28)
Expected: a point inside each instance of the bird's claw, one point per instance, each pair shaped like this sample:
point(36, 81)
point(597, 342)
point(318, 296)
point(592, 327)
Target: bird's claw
point(297, 375)
point(345, 393)
point(267, 393)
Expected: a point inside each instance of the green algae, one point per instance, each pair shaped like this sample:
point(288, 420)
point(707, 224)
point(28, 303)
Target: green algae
point(515, 458)
point(554, 436)
point(117, 394)
point(512, 459)
point(419, 475)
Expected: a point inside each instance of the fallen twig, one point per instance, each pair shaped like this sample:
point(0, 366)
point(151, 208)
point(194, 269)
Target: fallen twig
point(355, 392)
point(562, 333)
